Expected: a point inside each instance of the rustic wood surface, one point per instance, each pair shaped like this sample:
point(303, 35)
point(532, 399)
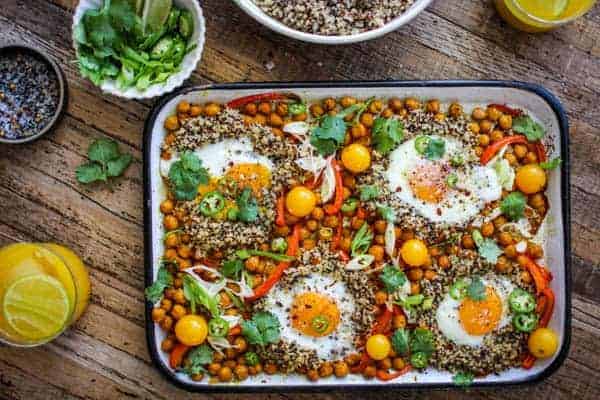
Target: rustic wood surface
point(104, 356)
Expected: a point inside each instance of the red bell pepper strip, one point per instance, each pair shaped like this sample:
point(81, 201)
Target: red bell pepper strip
point(528, 361)
point(361, 213)
point(338, 201)
point(506, 109)
point(364, 362)
point(263, 289)
point(235, 330)
point(177, 354)
point(539, 278)
point(242, 101)
point(344, 256)
point(548, 308)
point(280, 218)
point(387, 376)
point(540, 151)
point(337, 237)
point(495, 147)
point(383, 323)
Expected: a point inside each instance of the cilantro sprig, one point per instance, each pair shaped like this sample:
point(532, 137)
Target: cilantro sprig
point(552, 164)
point(163, 280)
point(392, 278)
point(247, 206)
point(197, 359)
point(528, 127)
point(361, 241)
point(476, 289)
point(106, 161)
point(185, 175)
point(368, 192)
point(262, 329)
point(198, 296)
point(488, 249)
point(387, 134)
point(463, 379)
point(513, 205)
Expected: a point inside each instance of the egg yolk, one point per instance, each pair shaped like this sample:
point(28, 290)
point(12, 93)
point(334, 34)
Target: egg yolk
point(253, 175)
point(428, 183)
point(314, 314)
point(481, 317)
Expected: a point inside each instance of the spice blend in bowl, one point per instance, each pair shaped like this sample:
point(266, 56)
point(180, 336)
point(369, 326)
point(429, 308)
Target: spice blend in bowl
point(31, 90)
point(331, 17)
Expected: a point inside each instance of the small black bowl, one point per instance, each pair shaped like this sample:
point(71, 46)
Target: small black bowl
point(58, 75)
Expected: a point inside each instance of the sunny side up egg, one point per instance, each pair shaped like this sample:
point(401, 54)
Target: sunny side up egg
point(467, 321)
point(424, 184)
point(233, 158)
point(315, 313)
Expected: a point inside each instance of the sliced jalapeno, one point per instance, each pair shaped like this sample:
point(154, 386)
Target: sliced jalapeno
point(525, 322)
point(349, 205)
point(452, 180)
point(421, 143)
point(458, 291)
point(251, 358)
point(419, 360)
point(218, 327)
point(414, 300)
point(297, 108)
point(521, 301)
point(212, 204)
point(320, 323)
point(457, 160)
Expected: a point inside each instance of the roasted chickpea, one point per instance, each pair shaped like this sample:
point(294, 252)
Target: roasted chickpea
point(166, 304)
point(432, 106)
point(367, 119)
point(379, 239)
point(430, 274)
point(520, 150)
point(486, 126)
point(178, 311)
point(316, 110)
point(370, 372)
point(212, 109)
point(474, 127)
point(505, 238)
point(158, 314)
point(443, 262)
point(265, 108)
point(281, 109)
point(171, 123)
point(214, 368)
point(455, 110)
point(166, 323)
point(195, 110)
point(478, 114)
point(167, 344)
point(255, 369)
point(275, 120)
point(183, 107)
point(312, 375)
point(493, 113)
point(358, 131)
point(241, 372)
point(387, 113)
point(415, 274)
point(179, 296)
point(535, 250)
point(487, 229)
point(439, 117)
point(537, 200)
point(270, 368)
point(340, 369)
point(380, 226)
point(377, 251)
point(399, 321)
point(172, 240)
point(510, 251)
point(505, 122)
point(415, 288)
point(317, 213)
point(384, 364)
point(502, 265)
point(398, 363)
point(252, 263)
point(531, 158)
point(347, 101)
point(412, 104)
point(170, 222)
point(380, 297)
point(483, 140)
point(225, 374)
point(184, 251)
point(478, 151)
point(166, 207)
point(510, 157)
point(496, 135)
point(326, 370)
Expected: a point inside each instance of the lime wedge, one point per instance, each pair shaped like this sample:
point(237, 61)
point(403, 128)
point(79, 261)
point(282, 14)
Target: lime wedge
point(36, 306)
point(155, 14)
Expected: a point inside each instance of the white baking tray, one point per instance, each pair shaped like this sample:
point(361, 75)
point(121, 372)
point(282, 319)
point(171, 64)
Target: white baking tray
point(536, 100)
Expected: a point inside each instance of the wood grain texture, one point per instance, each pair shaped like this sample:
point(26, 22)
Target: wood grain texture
point(104, 355)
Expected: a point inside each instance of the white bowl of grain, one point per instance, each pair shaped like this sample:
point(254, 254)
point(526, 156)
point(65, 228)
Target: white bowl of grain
point(348, 21)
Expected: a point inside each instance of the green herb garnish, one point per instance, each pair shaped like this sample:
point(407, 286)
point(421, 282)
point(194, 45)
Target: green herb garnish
point(368, 192)
point(400, 341)
point(197, 359)
point(232, 268)
point(387, 134)
point(185, 175)
point(106, 161)
point(393, 278)
point(552, 164)
point(163, 280)
point(247, 206)
point(262, 329)
point(361, 241)
point(387, 213)
point(513, 205)
point(245, 254)
point(476, 289)
point(528, 127)
point(435, 149)
point(463, 379)
point(329, 135)
point(488, 249)
point(197, 295)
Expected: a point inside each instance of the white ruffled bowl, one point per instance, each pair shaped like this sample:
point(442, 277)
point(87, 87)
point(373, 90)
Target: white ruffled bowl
point(187, 66)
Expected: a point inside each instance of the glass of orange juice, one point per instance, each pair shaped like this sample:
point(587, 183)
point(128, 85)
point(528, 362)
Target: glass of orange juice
point(541, 15)
point(44, 288)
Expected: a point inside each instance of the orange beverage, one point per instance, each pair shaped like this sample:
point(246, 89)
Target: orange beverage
point(541, 15)
point(44, 288)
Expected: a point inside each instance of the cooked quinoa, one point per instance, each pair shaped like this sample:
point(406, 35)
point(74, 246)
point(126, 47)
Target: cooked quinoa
point(334, 17)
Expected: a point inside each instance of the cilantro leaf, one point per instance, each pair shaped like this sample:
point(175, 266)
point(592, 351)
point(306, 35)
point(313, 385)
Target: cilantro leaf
point(185, 175)
point(247, 206)
point(361, 241)
point(90, 172)
point(421, 341)
point(528, 127)
point(117, 166)
point(262, 329)
point(436, 148)
point(513, 205)
point(368, 192)
point(392, 278)
point(488, 249)
point(463, 379)
point(197, 359)
point(387, 134)
point(476, 289)
point(197, 295)
point(103, 150)
point(329, 135)
point(552, 164)
point(232, 268)
point(387, 213)
point(400, 341)
point(163, 280)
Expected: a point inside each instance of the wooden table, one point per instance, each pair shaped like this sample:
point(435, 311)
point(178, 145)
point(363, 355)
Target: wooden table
point(104, 356)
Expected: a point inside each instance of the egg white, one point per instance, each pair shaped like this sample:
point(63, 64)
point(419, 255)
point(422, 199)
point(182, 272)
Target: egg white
point(477, 185)
point(448, 320)
point(331, 347)
point(218, 157)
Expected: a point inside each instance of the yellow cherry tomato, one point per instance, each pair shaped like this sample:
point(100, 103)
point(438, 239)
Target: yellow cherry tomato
point(356, 158)
point(191, 330)
point(531, 178)
point(378, 347)
point(414, 252)
point(300, 201)
point(543, 343)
